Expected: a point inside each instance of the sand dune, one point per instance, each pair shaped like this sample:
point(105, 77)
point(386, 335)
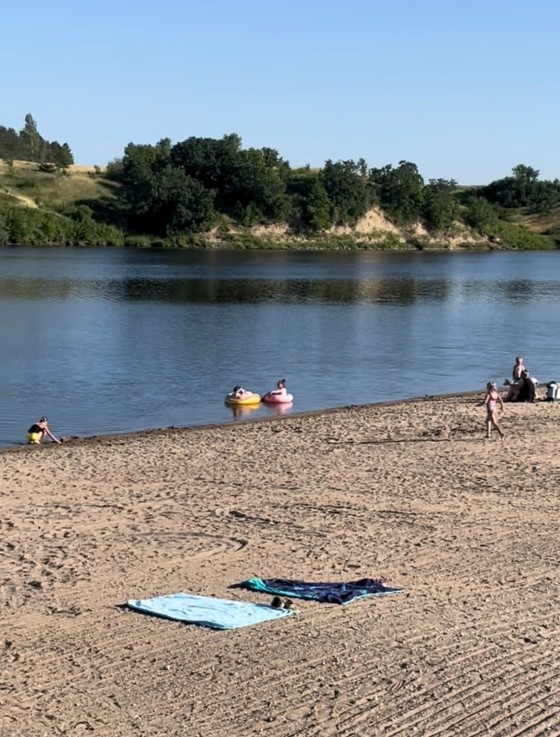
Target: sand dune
point(468, 526)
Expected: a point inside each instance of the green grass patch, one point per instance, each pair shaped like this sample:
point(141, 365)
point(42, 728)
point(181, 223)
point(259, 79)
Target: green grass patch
point(519, 237)
point(57, 190)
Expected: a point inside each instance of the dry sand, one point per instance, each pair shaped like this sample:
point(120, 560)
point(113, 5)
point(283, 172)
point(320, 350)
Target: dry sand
point(468, 526)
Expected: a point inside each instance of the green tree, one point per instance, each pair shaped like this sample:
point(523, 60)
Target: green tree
point(440, 207)
point(249, 184)
point(347, 190)
point(84, 229)
point(547, 196)
point(214, 163)
point(317, 207)
point(257, 188)
point(400, 191)
point(162, 197)
point(181, 204)
point(32, 142)
point(10, 144)
point(524, 173)
point(523, 189)
point(115, 170)
point(140, 165)
point(479, 213)
point(60, 155)
point(142, 161)
point(20, 227)
point(172, 202)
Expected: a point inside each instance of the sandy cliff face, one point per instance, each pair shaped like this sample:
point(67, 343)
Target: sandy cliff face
point(372, 222)
point(375, 227)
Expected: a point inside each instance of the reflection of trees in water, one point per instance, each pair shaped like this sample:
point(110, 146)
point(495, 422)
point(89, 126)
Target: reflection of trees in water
point(512, 290)
point(397, 291)
point(335, 291)
point(37, 288)
point(518, 290)
point(409, 290)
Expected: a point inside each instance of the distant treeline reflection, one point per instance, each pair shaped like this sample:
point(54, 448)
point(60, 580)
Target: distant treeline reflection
point(397, 291)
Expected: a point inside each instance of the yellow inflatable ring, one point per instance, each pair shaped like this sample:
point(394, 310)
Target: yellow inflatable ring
point(249, 399)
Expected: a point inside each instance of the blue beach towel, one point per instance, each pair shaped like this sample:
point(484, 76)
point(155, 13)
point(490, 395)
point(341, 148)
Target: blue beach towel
point(207, 611)
point(327, 593)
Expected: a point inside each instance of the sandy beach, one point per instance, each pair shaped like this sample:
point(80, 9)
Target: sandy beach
point(413, 491)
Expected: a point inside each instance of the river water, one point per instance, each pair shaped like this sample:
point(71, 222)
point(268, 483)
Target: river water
point(106, 341)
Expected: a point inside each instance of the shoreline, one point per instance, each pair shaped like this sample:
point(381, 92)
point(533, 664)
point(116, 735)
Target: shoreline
point(155, 432)
point(303, 246)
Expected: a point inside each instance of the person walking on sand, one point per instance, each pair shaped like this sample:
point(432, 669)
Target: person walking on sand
point(38, 430)
point(491, 401)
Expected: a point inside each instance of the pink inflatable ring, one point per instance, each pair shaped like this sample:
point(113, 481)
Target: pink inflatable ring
point(278, 398)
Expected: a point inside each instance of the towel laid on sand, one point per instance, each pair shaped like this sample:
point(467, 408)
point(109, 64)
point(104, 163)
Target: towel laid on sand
point(207, 611)
point(328, 593)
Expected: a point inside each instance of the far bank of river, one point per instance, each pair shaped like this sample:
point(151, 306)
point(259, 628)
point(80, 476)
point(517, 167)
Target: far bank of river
point(269, 239)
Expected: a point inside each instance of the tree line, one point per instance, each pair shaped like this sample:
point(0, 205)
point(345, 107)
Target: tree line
point(192, 185)
point(29, 145)
point(189, 186)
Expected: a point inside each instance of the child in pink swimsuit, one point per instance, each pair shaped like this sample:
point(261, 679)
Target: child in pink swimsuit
point(491, 402)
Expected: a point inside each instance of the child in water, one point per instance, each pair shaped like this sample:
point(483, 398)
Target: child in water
point(38, 430)
point(491, 402)
point(280, 390)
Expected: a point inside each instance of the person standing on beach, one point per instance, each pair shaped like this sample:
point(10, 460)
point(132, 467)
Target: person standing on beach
point(491, 402)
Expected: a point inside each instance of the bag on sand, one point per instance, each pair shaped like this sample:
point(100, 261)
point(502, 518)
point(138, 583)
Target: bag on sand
point(552, 391)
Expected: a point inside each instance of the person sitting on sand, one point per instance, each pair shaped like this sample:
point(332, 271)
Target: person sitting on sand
point(513, 390)
point(517, 375)
point(38, 430)
point(526, 391)
point(491, 401)
point(518, 369)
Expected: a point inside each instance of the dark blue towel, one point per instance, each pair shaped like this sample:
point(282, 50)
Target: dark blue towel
point(328, 593)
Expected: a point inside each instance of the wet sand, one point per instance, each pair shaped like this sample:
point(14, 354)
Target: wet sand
point(413, 491)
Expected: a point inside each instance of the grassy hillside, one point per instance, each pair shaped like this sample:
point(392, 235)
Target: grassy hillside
point(545, 223)
point(24, 184)
point(65, 208)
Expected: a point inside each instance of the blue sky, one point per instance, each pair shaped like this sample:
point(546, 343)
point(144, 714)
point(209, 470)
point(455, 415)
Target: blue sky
point(463, 89)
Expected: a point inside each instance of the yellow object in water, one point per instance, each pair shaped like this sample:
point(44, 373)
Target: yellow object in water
point(247, 399)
